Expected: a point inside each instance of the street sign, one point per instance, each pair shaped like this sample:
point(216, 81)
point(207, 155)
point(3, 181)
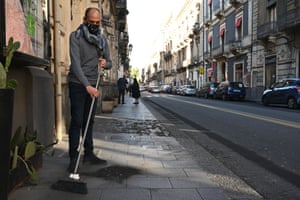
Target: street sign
point(201, 70)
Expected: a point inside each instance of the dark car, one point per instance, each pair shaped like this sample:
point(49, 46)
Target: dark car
point(208, 90)
point(230, 90)
point(285, 92)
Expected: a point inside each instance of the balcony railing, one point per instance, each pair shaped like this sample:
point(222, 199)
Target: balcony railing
point(207, 56)
point(120, 4)
point(266, 29)
point(217, 52)
point(235, 47)
point(289, 19)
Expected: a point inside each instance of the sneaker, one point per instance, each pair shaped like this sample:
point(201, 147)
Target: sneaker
point(94, 160)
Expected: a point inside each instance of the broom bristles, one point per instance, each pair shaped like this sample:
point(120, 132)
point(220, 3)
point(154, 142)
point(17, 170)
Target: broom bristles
point(70, 186)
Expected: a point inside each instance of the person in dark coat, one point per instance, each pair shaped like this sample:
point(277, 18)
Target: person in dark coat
point(122, 83)
point(135, 89)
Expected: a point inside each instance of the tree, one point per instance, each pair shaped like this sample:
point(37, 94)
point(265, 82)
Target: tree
point(135, 73)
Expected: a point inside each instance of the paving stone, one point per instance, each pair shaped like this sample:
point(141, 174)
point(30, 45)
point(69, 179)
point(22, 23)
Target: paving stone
point(149, 182)
point(130, 194)
point(211, 194)
point(189, 182)
point(180, 164)
point(175, 194)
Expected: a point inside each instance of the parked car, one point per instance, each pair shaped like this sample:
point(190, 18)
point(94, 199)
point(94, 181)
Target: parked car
point(188, 90)
point(155, 89)
point(178, 90)
point(208, 90)
point(165, 88)
point(173, 89)
point(286, 92)
point(230, 90)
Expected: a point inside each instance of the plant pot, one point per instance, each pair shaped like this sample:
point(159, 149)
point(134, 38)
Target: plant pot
point(6, 118)
point(107, 106)
point(116, 101)
point(19, 175)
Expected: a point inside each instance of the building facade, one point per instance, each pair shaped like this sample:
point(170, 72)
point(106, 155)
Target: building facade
point(238, 40)
point(42, 63)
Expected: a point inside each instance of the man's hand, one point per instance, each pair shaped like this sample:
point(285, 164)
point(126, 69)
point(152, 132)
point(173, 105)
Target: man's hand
point(92, 91)
point(102, 62)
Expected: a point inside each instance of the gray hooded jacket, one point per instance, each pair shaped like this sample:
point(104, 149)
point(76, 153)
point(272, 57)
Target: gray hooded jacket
point(84, 57)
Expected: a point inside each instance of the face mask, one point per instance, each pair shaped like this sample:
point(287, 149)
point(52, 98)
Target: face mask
point(93, 28)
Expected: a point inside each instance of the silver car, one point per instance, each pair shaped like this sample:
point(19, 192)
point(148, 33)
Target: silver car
point(189, 90)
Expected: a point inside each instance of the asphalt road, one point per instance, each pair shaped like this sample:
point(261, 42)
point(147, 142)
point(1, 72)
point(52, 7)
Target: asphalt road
point(260, 144)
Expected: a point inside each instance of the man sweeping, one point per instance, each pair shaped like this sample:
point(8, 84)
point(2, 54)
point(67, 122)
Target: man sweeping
point(88, 51)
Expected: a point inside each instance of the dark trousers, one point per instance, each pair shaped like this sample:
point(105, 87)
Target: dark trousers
point(121, 96)
point(80, 106)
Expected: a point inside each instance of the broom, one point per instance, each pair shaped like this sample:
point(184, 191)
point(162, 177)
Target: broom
point(73, 184)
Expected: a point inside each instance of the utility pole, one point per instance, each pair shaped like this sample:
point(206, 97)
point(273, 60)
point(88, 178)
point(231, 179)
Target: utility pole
point(57, 69)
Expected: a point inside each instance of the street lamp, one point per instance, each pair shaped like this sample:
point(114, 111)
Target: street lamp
point(130, 48)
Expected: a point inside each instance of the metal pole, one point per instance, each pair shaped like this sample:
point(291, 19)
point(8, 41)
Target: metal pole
point(57, 53)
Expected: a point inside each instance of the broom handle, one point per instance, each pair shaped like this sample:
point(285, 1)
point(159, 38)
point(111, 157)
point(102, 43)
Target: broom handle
point(87, 123)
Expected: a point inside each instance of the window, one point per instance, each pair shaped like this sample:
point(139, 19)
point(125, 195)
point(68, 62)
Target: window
point(238, 72)
point(222, 35)
point(272, 16)
point(184, 53)
point(238, 25)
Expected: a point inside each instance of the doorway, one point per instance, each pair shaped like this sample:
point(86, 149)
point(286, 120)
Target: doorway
point(270, 71)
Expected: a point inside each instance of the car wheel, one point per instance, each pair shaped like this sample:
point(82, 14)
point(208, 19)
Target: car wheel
point(265, 101)
point(292, 103)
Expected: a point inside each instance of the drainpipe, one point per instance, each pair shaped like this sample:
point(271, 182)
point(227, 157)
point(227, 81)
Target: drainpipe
point(57, 71)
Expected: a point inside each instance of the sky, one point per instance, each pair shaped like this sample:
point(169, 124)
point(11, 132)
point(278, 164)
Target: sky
point(145, 20)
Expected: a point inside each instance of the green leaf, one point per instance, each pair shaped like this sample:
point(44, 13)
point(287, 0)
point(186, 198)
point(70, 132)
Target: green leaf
point(2, 76)
point(15, 158)
point(12, 83)
point(15, 139)
point(30, 150)
point(30, 24)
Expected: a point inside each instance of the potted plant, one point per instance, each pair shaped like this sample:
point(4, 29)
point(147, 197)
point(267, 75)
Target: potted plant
point(107, 104)
point(6, 114)
point(116, 100)
point(9, 51)
point(26, 158)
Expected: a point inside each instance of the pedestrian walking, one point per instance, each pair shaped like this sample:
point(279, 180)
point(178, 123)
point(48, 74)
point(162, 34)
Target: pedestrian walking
point(88, 51)
point(135, 91)
point(122, 84)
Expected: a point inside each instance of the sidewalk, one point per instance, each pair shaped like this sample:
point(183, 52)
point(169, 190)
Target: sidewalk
point(144, 163)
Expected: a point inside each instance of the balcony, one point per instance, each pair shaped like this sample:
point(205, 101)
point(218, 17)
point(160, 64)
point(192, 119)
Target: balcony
point(235, 47)
point(289, 19)
point(207, 23)
point(207, 56)
point(264, 30)
point(219, 14)
point(218, 52)
point(196, 28)
point(121, 4)
point(235, 3)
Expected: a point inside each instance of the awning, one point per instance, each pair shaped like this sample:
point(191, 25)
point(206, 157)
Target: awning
point(209, 72)
point(209, 39)
point(222, 31)
point(238, 22)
